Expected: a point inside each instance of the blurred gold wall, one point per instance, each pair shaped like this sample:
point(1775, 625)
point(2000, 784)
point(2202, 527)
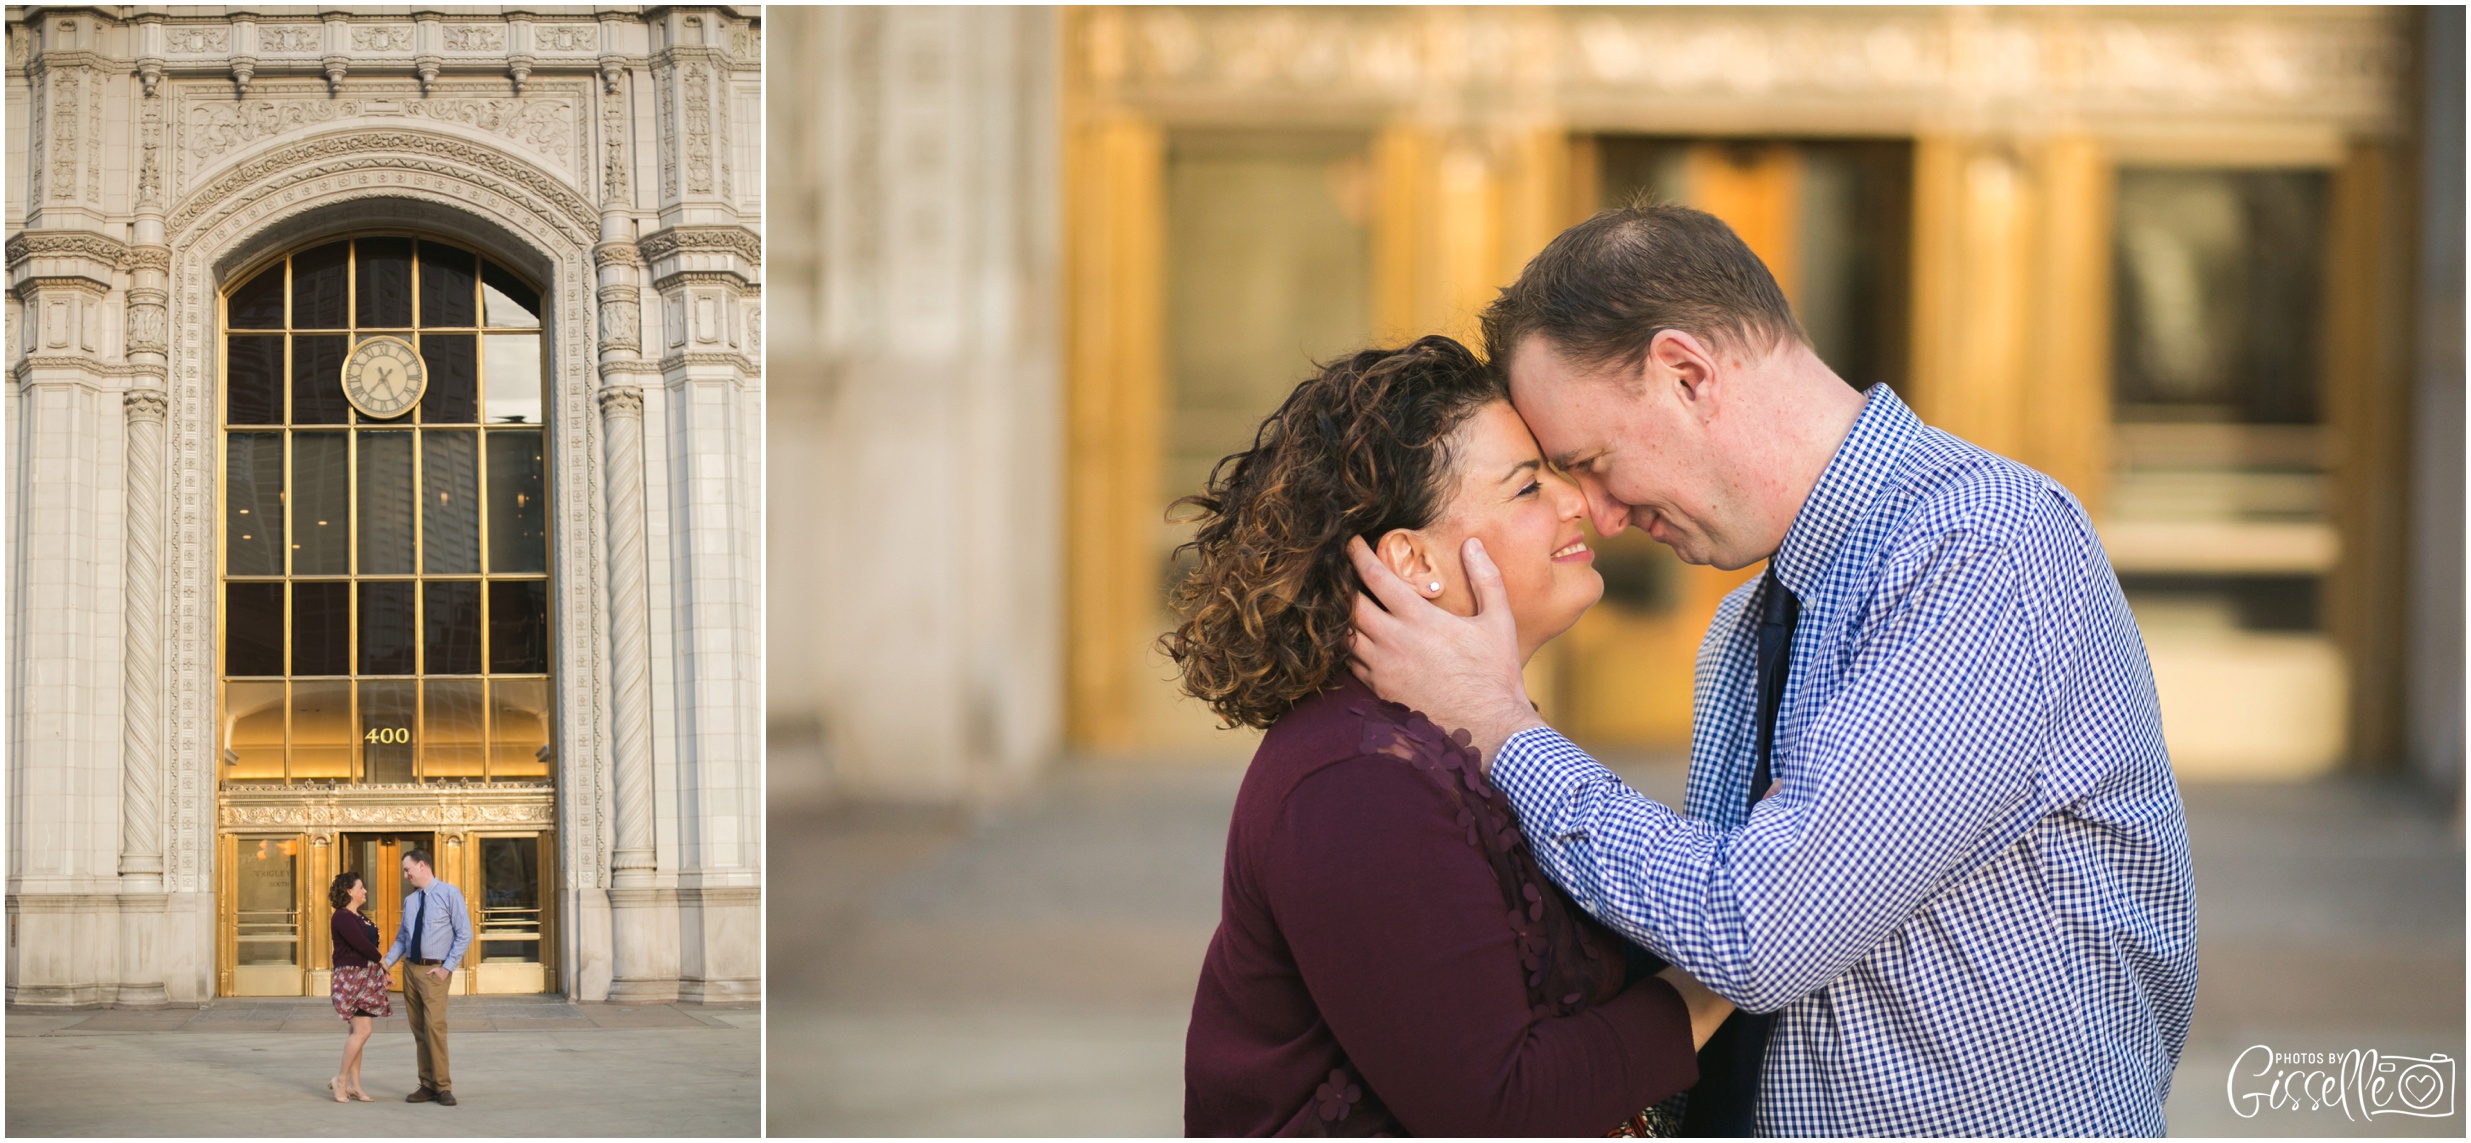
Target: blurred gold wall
point(1461, 140)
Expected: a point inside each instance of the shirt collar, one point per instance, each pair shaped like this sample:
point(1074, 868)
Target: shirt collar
point(1845, 488)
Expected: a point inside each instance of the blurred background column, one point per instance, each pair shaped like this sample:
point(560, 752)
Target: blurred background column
point(916, 432)
point(2434, 700)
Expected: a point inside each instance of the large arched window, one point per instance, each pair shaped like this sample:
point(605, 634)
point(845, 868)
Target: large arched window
point(385, 597)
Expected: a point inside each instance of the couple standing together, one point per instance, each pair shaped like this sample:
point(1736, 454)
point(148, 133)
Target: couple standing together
point(431, 941)
point(1932, 876)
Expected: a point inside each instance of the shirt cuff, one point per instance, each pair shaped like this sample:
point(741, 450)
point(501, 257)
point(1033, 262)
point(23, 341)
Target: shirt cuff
point(1535, 765)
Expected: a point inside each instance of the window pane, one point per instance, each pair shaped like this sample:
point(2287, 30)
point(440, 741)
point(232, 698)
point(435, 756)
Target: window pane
point(516, 543)
point(514, 379)
point(253, 504)
point(445, 286)
point(322, 490)
point(510, 899)
point(319, 288)
point(387, 731)
point(321, 628)
point(259, 304)
point(267, 874)
point(451, 743)
point(519, 627)
point(385, 297)
point(386, 493)
point(253, 381)
point(453, 387)
point(450, 503)
point(518, 728)
point(386, 628)
point(2218, 276)
point(452, 619)
point(506, 302)
point(253, 629)
point(322, 731)
point(317, 380)
point(253, 732)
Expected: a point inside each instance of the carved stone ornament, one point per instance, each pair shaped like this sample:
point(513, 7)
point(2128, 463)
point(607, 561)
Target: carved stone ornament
point(1610, 67)
point(547, 128)
point(382, 38)
point(676, 240)
point(67, 244)
point(402, 146)
point(621, 318)
point(398, 806)
point(197, 40)
point(475, 38)
point(288, 39)
point(148, 320)
point(621, 400)
point(566, 37)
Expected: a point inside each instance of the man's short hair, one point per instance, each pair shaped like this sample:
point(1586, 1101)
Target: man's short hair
point(1603, 290)
point(421, 856)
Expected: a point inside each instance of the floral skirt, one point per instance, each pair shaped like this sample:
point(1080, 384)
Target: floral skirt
point(360, 990)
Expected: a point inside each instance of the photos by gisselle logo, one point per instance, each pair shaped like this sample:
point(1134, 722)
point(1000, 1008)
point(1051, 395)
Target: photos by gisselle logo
point(2360, 1083)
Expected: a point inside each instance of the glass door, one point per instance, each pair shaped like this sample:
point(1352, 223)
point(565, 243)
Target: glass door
point(513, 930)
point(263, 891)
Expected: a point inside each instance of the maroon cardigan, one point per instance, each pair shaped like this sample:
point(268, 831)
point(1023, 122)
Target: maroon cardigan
point(356, 939)
point(1390, 960)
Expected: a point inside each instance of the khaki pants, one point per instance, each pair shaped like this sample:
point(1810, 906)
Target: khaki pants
point(424, 1007)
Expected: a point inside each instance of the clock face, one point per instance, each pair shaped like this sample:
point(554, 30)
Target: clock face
point(384, 378)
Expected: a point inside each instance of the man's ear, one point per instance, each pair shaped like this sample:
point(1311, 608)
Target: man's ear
point(1680, 359)
point(1411, 557)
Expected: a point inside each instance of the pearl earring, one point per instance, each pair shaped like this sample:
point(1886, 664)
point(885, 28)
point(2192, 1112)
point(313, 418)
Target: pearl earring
point(1434, 587)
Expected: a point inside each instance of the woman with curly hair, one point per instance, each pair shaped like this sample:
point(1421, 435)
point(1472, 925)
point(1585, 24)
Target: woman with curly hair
point(1389, 957)
point(359, 982)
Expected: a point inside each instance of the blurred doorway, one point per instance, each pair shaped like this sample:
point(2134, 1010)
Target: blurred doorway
point(2221, 516)
point(1832, 221)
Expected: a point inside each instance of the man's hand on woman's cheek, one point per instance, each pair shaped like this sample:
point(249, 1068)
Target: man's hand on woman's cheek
point(1461, 672)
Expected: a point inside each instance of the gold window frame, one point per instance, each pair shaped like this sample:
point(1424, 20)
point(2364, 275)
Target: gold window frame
point(351, 429)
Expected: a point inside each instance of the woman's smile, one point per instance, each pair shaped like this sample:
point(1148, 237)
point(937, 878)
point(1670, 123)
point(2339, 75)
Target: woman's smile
point(1574, 552)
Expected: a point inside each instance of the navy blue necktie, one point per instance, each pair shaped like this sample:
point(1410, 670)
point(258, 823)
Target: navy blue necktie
point(1727, 1099)
point(420, 914)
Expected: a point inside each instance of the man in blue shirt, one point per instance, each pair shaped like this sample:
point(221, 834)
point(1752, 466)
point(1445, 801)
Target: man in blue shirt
point(435, 933)
point(1933, 849)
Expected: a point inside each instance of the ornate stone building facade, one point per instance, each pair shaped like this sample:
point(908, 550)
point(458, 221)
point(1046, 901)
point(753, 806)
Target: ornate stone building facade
point(262, 630)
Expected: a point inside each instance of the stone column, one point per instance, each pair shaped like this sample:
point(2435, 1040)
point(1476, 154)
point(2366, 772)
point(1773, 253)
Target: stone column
point(146, 340)
point(639, 970)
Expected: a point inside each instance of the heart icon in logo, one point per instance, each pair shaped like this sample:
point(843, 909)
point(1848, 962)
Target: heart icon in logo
point(2420, 1086)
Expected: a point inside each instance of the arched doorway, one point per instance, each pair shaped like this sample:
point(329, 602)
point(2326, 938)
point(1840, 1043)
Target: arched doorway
point(384, 658)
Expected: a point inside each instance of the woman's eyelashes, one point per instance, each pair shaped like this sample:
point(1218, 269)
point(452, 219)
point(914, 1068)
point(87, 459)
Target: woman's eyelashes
point(1533, 487)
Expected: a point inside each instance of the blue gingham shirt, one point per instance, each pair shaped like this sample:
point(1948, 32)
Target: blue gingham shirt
point(446, 928)
point(1970, 905)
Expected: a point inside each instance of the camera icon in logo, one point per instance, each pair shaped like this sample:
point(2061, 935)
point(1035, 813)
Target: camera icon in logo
point(2404, 1085)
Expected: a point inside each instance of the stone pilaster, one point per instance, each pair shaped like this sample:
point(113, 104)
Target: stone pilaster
point(706, 277)
point(64, 720)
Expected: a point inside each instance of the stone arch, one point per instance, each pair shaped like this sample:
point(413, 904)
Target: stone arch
point(425, 183)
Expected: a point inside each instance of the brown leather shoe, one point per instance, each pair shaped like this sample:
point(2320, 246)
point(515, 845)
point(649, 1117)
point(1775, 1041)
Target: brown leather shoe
point(446, 1098)
point(421, 1095)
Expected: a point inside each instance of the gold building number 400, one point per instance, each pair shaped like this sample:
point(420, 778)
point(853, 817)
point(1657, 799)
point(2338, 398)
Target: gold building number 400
point(393, 735)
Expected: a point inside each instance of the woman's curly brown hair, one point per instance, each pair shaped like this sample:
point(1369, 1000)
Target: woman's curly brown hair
point(1359, 450)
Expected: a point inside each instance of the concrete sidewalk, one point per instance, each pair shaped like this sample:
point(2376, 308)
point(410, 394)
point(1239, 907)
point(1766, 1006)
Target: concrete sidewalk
point(1032, 973)
point(522, 1066)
